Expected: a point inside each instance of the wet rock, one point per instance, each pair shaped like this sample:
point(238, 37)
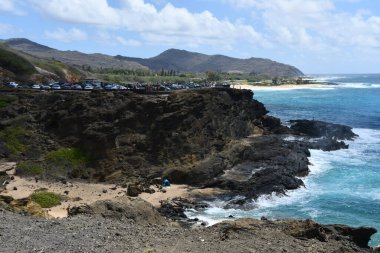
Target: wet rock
point(176, 207)
point(322, 135)
point(318, 129)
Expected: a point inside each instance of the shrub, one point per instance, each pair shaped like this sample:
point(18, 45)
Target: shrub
point(5, 100)
point(12, 137)
point(46, 199)
point(74, 156)
point(15, 63)
point(29, 169)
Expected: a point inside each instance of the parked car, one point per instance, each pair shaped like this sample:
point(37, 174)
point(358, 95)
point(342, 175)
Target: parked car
point(97, 86)
point(45, 87)
point(55, 87)
point(12, 84)
point(88, 87)
point(111, 87)
point(66, 86)
point(76, 87)
point(122, 87)
point(36, 86)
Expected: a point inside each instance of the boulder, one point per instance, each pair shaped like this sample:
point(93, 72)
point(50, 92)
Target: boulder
point(121, 208)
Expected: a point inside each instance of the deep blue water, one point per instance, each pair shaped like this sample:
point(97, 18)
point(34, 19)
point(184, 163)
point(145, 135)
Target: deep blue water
point(343, 186)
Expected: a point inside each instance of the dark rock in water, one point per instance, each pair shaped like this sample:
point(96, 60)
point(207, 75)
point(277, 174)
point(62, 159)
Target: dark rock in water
point(317, 129)
point(322, 135)
point(176, 207)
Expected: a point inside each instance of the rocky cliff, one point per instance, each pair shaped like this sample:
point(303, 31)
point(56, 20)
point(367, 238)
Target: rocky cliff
point(207, 137)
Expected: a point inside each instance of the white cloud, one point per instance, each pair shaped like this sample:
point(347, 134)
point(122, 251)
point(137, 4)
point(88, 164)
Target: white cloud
point(10, 6)
point(128, 43)
point(314, 24)
point(159, 26)
point(63, 35)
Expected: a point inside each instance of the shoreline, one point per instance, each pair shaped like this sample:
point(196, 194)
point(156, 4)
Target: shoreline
point(281, 87)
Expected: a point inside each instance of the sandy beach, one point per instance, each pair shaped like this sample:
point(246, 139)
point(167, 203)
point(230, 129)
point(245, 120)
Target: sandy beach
point(77, 193)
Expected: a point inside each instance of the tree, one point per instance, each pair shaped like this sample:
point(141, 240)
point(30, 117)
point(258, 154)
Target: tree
point(212, 76)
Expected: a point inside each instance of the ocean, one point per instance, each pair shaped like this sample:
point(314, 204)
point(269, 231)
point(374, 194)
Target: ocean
point(343, 186)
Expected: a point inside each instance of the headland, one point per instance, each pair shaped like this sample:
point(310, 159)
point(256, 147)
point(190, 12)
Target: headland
point(104, 149)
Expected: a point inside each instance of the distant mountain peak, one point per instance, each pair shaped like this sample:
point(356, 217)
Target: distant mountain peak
point(25, 44)
point(186, 61)
point(171, 59)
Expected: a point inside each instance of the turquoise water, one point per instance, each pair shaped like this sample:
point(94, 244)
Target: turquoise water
point(343, 186)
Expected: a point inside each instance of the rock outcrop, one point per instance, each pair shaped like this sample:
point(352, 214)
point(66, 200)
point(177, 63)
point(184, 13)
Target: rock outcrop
point(205, 137)
point(322, 135)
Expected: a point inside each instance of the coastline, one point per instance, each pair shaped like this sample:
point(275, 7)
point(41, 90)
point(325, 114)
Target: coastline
point(281, 87)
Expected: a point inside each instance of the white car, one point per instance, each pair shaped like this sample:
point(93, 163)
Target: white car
point(55, 87)
point(36, 86)
point(88, 87)
point(13, 84)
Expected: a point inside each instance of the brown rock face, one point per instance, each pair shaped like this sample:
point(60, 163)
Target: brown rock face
point(139, 135)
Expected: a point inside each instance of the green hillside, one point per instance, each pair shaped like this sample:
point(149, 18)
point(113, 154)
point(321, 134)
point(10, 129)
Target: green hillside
point(16, 64)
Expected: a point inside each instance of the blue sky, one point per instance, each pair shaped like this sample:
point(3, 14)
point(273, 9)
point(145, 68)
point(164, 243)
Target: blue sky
point(317, 36)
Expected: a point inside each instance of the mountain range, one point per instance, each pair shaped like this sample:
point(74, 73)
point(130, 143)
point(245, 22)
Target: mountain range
point(42, 57)
point(185, 61)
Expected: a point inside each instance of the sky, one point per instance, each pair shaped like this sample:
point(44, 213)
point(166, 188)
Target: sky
point(316, 36)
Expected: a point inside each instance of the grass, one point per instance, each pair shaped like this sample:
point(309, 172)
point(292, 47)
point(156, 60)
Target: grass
point(12, 137)
point(74, 156)
point(46, 199)
point(15, 63)
point(5, 100)
point(29, 169)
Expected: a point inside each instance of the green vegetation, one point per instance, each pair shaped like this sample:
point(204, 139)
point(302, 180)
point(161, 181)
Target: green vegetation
point(123, 76)
point(213, 76)
point(13, 139)
point(57, 67)
point(74, 156)
point(5, 100)
point(15, 63)
point(46, 199)
point(29, 169)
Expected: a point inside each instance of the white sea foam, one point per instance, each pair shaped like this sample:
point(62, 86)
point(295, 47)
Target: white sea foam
point(322, 88)
point(327, 78)
point(303, 199)
point(358, 85)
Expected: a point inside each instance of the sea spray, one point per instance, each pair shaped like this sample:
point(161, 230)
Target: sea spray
point(343, 186)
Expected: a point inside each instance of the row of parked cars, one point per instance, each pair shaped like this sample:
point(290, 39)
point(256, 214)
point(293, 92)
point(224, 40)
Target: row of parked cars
point(98, 86)
point(68, 86)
